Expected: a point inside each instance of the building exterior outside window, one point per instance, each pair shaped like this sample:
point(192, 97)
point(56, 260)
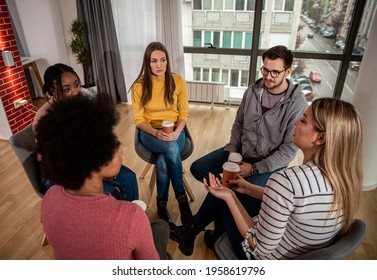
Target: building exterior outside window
point(310, 28)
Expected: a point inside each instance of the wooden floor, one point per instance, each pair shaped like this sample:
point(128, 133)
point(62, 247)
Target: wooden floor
point(20, 229)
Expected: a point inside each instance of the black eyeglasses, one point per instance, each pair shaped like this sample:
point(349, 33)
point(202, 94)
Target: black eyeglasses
point(273, 73)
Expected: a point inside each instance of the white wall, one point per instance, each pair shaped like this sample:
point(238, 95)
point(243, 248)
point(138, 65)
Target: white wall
point(5, 131)
point(45, 25)
point(365, 100)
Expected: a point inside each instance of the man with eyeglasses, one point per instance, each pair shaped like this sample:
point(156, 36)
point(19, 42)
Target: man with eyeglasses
point(262, 133)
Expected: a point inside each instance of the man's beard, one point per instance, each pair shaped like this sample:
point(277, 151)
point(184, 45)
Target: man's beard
point(274, 85)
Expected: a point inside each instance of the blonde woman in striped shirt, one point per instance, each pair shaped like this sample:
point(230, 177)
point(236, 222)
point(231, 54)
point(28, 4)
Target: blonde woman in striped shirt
point(304, 207)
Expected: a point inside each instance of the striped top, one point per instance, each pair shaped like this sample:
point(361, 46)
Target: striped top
point(295, 215)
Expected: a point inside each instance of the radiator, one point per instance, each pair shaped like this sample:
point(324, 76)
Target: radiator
point(205, 92)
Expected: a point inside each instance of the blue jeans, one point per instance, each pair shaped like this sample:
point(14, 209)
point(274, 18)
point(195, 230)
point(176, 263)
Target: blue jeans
point(124, 186)
point(168, 163)
point(216, 210)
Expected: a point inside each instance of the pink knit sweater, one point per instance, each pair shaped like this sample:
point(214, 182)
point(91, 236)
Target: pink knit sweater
point(96, 227)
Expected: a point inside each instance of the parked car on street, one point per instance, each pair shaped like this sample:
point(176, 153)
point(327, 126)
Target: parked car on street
point(358, 50)
point(339, 43)
point(310, 35)
point(354, 65)
point(328, 34)
point(315, 76)
point(309, 95)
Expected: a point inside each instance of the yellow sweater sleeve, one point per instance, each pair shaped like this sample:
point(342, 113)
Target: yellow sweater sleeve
point(156, 111)
point(136, 101)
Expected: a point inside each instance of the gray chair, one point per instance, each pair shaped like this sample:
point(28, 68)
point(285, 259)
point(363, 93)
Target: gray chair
point(151, 158)
point(341, 247)
point(23, 144)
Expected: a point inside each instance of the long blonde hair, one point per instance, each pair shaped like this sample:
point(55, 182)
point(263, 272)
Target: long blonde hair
point(340, 157)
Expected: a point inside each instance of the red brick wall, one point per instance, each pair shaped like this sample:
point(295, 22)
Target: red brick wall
point(13, 83)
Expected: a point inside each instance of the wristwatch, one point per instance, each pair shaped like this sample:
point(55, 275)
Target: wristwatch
point(254, 170)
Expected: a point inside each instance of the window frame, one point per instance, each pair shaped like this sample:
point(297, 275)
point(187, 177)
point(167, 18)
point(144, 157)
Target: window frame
point(344, 58)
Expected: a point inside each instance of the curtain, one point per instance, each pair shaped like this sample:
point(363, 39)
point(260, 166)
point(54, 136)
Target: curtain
point(106, 68)
point(135, 24)
point(140, 22)
point(169, 32)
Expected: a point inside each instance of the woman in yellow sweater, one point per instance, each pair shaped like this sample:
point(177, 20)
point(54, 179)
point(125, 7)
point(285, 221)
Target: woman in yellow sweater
point(159, 95)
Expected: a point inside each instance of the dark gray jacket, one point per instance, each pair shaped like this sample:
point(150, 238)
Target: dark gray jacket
point(267, 138)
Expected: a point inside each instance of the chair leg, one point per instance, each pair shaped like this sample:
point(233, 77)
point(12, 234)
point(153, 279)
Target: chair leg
point(188, 189)
point(44, 240)
point(145, 171)
point(152, 183)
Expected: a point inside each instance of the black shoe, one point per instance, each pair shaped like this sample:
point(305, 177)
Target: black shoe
point(185, 236)
point(210, 238)
point(184, 209)
point(162, 210)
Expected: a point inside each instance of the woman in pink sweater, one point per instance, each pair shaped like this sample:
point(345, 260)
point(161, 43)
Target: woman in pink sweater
point(79, 149)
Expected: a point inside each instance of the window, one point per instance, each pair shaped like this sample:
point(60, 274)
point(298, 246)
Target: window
point(197, 4)
point(225, 76)
point(247, 40)
point(207, 4)
point(216, 39)
point(250, 5)
point(289, 4)
point(197, 38)
point(227, 39)
point(215, 75)
point(205, 75)
point(228, 4)
point(278, 5)
point(218, 5)
point(234, 78)
point(207, 37)
point(196, 75)
point(316, 33)
point(240, 5)
point(244, 78)
point(237, 43)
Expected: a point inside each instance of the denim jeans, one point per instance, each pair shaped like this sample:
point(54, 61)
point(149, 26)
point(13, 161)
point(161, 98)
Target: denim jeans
point(216, 210)
point(124, 186)
point(168, 164)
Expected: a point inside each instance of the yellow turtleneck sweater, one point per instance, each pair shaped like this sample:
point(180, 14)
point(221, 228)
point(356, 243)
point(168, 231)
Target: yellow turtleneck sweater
point(156, 111)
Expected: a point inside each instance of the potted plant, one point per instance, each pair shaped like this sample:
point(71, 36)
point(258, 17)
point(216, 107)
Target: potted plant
point(78, 48)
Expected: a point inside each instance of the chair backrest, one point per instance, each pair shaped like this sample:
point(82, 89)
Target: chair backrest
point(224, 249)
point(23, 144)
point(150, 157)
point(342, 246)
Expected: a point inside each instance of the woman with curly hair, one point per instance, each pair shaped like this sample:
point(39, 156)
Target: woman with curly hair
point(79, 149)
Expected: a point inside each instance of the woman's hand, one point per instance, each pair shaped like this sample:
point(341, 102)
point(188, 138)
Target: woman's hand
point(174, 135)
point(240, 185)
point(245, 187)
point(245, 169)
point(216, 188)
point(161, 135)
